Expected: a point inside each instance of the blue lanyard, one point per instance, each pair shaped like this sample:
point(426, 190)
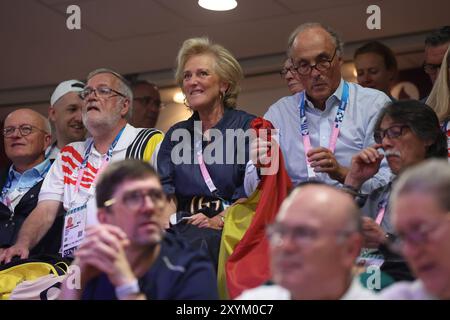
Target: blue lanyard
point(334, 132)
point(83, 165)
point(108, 153)
point(339, 114)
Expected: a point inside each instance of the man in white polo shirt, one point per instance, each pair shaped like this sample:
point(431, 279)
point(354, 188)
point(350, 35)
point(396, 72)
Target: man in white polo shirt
point(71, 180)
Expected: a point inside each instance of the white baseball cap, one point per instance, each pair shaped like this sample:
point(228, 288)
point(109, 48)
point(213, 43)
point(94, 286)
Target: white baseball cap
point(66, 87)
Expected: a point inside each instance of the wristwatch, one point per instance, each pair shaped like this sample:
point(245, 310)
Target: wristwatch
point(390, 238)
point(127, 289)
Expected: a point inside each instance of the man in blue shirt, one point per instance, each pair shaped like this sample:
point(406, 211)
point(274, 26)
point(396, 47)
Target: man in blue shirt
point(128, 255)
point(26, 136)
point(322, 127)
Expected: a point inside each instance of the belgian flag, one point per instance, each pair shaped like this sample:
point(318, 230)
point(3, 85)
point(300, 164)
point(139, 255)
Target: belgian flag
point(244, 260)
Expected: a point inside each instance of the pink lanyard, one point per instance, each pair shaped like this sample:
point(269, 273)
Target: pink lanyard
point(335, 130)
point(205, 174)
point(382, 205)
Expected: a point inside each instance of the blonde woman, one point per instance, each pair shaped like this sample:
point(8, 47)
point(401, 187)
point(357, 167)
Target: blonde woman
point(439, 98)
point(202, 182)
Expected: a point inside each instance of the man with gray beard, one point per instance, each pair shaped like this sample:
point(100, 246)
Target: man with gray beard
point(408, 132)
point(107, 105)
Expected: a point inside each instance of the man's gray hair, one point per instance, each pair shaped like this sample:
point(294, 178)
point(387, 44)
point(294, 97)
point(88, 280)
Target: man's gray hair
point(429, 177)
point(311, 25)
point(124, 86)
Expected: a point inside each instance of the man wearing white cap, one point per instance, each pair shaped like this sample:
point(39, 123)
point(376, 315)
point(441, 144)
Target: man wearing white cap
point(71, 181)
point(65, 114)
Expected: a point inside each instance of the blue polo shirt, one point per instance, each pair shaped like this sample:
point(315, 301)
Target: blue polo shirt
point(179, 273)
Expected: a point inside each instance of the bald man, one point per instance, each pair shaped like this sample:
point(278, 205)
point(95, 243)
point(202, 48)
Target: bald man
point(314, 243)
point(26, 136)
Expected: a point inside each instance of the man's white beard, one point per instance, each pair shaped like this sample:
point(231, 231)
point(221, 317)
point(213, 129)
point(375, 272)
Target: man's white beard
point(102, 124)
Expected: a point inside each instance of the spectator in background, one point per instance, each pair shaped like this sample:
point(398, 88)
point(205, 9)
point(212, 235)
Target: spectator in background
point(314, 242)
point(421, 215)
point(65, 114)
point(436, 44)
point(128, 255)
point(376, 66)
point(439, 98)
point(288, 74)
point(146, 104)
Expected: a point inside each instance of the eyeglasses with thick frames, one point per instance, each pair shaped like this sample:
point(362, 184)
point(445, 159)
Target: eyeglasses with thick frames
point(24, 129)
point(147, 100)
point(135, 199)
point(104, 92)
point(304, 68)
point(391, 132)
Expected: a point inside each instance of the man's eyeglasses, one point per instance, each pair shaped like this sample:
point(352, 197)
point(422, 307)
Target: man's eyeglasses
point(391, 132)
point(24, 129)
point(431, 68)
point(301, 236)
point(149, 100)
point(322, 64)
point(104, 92)
point(135, 199)
point(284, 71)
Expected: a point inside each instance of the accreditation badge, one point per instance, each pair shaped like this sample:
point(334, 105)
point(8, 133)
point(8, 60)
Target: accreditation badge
point(370, 257)
point(74, 229)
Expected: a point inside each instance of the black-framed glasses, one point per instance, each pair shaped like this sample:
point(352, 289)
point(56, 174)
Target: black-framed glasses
point(135, 199)
point(431, 68)
point(300, 235)
point(284, 71)
point(149, 100)
point(24, 129)
point(104, 92)
point(322, 64)
point(392, 132)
